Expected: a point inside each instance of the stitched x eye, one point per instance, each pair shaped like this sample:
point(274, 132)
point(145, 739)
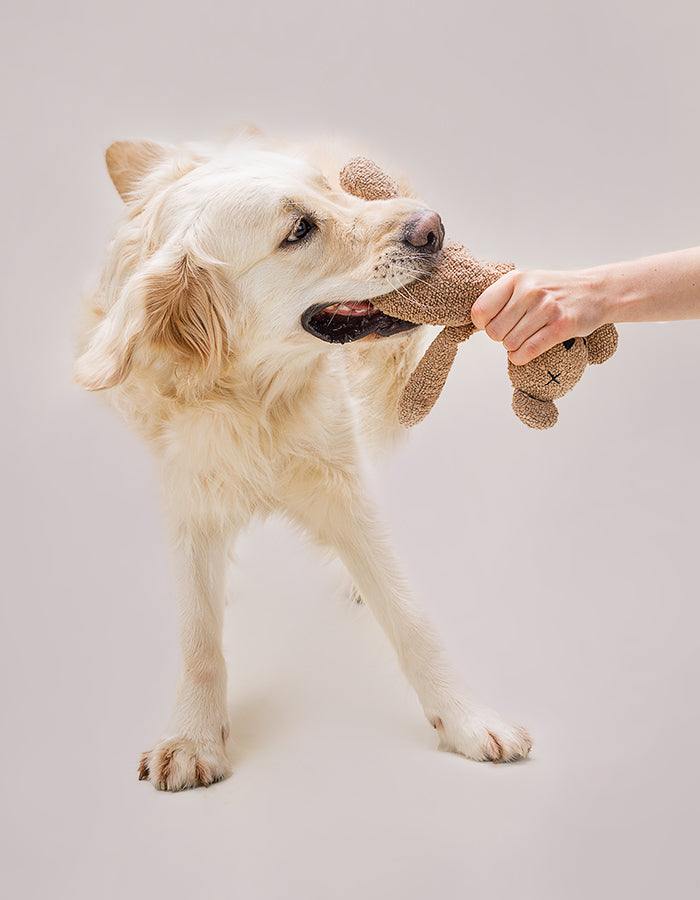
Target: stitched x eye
point(302, 229)
point(569, 344)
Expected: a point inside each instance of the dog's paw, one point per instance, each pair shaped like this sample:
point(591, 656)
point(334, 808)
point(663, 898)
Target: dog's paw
point(483, 735)
point(176, 764)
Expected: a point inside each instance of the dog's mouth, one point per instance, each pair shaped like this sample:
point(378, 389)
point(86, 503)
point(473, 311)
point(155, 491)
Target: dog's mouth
point(350, 320)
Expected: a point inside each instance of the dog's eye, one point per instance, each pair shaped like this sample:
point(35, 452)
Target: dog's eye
point(569, 344)
point(302, 229)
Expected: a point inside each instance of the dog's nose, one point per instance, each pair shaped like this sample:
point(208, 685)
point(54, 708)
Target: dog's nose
point(425, 231)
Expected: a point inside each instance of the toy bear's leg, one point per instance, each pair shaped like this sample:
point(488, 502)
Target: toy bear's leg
point(427, 381)
point(602, 343)
point(533, 412)
point(330, 502)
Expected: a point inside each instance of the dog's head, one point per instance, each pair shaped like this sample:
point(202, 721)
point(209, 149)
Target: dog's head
point(225, 251)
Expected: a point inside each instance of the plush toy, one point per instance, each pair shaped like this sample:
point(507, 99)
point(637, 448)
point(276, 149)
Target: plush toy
point(446, 298)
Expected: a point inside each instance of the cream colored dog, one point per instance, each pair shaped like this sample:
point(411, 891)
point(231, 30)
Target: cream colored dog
point(196, 331)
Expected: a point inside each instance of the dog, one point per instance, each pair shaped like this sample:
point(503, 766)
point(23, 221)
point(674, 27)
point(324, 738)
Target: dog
point(233, 327)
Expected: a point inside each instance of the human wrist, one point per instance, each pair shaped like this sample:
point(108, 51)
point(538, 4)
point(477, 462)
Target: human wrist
point(615, 292)
point(598, 295)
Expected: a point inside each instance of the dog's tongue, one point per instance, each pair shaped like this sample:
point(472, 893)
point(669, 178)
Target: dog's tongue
point(350, 308)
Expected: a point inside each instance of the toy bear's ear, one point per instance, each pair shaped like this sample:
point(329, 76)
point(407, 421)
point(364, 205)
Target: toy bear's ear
point(534, 413)
point(602, 344)
point(428, 379)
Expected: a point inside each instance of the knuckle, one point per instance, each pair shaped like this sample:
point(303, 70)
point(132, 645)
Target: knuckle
point(530, 283)
point(555, 328)
point(561, 329)
point(534, 347)
point(570, 323)
point(551, 308)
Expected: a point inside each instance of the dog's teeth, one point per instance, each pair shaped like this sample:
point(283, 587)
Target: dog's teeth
point(353, 308)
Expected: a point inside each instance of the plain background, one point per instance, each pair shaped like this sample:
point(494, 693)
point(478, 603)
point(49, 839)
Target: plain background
point(562, 567)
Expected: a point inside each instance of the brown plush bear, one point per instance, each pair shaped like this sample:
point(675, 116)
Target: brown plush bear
point(446, 298)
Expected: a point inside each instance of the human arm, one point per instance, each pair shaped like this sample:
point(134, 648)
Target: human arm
point(531, 311)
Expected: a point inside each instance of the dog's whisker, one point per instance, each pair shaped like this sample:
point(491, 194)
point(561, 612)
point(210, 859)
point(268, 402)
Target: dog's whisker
point(414, 274)
point(417, 278)
point(333, 317)
point(401, 290)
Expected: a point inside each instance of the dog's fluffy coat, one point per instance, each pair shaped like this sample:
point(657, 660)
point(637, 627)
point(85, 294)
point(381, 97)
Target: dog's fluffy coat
point(195, 332)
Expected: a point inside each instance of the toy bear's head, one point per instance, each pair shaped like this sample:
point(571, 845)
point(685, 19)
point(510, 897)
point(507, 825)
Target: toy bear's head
point(552, 374)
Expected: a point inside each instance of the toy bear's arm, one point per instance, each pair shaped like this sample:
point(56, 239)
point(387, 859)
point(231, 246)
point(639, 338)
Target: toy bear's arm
point(428, 378)
point(363, 178)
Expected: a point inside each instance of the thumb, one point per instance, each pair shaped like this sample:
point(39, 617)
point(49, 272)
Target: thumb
point(489, 303)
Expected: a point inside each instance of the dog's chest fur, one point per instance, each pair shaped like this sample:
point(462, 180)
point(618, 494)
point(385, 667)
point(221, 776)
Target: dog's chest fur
point(250, 439)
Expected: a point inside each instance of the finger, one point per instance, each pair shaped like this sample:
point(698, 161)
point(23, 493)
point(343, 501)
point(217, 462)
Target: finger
point(509, 316)
point(492, 300)
point(536, 344)
point(525, 327)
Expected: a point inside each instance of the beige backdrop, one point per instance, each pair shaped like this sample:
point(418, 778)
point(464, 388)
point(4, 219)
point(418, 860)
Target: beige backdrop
point(562, 567)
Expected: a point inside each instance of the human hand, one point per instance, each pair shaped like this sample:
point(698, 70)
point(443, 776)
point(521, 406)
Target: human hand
point(531, 311)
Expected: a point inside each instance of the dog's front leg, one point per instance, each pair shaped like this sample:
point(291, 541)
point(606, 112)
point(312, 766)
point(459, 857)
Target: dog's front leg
point(194, 751)
point(336, 510)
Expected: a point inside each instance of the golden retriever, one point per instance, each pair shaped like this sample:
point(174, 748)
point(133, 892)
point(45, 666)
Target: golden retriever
point(233, 327)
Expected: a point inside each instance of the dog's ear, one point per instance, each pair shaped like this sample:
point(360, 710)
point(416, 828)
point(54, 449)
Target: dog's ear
point(186, 312)
point(106, 360)
point(178, 304)
point(128, 162)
